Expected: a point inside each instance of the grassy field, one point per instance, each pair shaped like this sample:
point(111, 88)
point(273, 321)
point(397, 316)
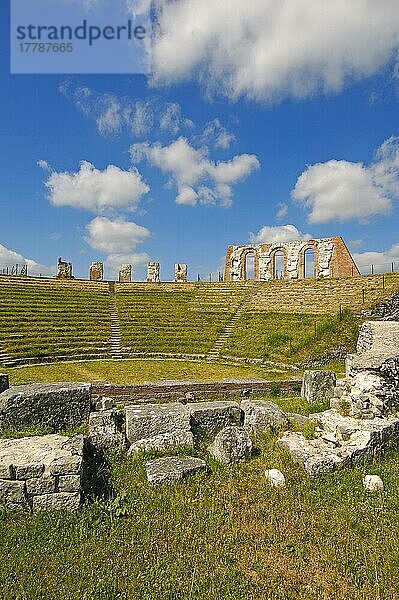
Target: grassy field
point(137, 371)
point(225, 535)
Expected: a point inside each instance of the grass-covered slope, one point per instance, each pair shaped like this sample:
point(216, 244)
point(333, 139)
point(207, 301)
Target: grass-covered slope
point(176, 318)
point(52, 319)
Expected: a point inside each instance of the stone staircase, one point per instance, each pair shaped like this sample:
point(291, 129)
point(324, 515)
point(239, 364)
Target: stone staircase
point(116, 348)
point(214, 352)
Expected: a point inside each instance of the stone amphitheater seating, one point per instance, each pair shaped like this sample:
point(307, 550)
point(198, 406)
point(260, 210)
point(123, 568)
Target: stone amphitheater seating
point(48, 319)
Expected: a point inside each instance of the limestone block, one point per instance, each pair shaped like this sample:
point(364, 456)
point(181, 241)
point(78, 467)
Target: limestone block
point(263, 416)
point(125, 274)
point(151, 420)
point(297, 419)
point(173, 468)
point(57, 405)
point(96, 271)
point(153, 272)
point(164, 441)
point(29, 470)
point(69, 483)
point(231, 445)
point(41, 485)
point(66, 465)
point(12, 494)
point(318, 385)
point(57, 501)
point(373, 483)
point(275, 478)
point(104, 403)
point(7, 471)
point(4, 383)
point(104, 429)
point(209, 418)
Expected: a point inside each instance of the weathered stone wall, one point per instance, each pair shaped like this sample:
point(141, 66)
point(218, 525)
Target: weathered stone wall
point(96, 271)
point(178, 390)
point(331, 257)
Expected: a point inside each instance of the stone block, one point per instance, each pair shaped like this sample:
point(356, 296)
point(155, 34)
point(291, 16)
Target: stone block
point(373, 483)
point(56, 405)
point(57, 501)
point(318, 385)
point(151, 420)
point(29, 471)
point(297, 419)
point(231, 445)
point(173, 468)
point(41, 485)
point(163, 442)
point(104, 403)
point(7, 471)
point(69, 483)
point(12, 494)
point(208, 418)
point(104, 429)
point(4, 383)
point(66, 465)
point(275, 478)
point(262, 416)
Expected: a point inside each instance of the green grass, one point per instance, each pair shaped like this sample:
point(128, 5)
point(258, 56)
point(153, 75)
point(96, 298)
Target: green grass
point(227, 535)
point(292, 338)
point(137, 371)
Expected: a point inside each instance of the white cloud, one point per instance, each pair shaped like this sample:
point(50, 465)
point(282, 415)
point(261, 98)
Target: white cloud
point(381, 261)
point(95, 190)
point(216, 134)
point(276, 234)
point(192, 172)
point(282, 210)
point(342, 190)
point(115, 236)
point(268, 50)
point(10, 258)
point(117, 239)
point(114, 114)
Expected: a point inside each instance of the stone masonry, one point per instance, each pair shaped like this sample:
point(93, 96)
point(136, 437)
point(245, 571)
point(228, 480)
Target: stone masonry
point(153, 272)
point(41, 472)
point(64, 269)
point(180, 273)
point(125, 274)
point(332, 259)
point(96, 271)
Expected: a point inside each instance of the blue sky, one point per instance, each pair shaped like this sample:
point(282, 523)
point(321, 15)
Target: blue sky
point(244, 132)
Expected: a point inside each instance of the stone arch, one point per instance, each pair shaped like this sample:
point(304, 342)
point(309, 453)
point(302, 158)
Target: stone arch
point(279, 263)
point(309, 263)
point(249, 251)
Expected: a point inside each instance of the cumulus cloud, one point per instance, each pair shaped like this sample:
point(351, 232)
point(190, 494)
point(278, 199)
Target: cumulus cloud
point(342, 190)
point(196, 178)
point(267, 50)
point(10, 258)
point(114, 236)
point(381, 261)
point(276, 234)
point(95, 190)
point(114, 114)
point(118, 239)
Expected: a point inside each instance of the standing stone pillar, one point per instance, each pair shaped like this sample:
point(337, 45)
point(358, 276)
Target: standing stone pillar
point(64, 269)
point(153, 272)
point(180, 273)
point(125, 274)
point(96, 272)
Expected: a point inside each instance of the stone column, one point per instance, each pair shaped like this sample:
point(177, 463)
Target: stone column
point(180, 273)
point(125, 274)
point(153, 272)
point(96, 272)
point(64, 269)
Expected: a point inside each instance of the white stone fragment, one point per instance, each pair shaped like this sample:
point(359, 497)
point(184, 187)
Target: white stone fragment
point(373, 483)
point(275, 478)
